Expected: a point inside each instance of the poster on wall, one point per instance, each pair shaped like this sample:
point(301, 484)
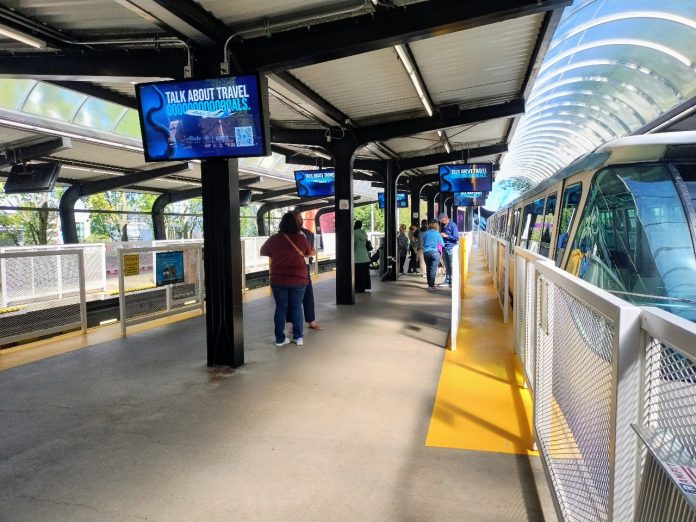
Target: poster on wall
point(170, 268)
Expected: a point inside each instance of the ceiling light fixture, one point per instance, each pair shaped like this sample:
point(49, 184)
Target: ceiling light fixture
point(415, 78)
point(22, 37)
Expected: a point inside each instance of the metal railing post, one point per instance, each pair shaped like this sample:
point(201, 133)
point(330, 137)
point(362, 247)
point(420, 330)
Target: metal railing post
point(243, 244)
point(122, 292)
point(83, 290)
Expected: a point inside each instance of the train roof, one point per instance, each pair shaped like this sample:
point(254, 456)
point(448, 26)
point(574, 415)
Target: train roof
point(640, 148)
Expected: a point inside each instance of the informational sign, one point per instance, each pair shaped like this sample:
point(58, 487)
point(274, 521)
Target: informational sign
point(466, 177)
point(170, 268)
point(343, 204)
point(197, 119)
point(685, 476)
point(131, 265)
point(313, 183)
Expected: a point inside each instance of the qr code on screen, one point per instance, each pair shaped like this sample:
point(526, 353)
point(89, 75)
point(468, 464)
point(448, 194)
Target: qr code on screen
point(244, 136)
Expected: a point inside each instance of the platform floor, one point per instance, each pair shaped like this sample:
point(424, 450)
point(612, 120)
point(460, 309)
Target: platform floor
point(140, 429)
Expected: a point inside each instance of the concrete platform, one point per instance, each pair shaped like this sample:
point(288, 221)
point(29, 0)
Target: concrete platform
point(140, 429)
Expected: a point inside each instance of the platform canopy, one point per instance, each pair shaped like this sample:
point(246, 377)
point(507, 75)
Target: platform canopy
point(438, 78)
point(613, 68)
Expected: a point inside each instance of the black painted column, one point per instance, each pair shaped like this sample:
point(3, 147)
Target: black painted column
point(390, 174)
point(431, 203)
point(415, 187)
point(157, 213)
point(448, 206)
point(223, 262)
point(345, 269)
point(66, 206)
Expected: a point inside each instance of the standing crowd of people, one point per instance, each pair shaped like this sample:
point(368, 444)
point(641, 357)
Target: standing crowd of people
point(292, 248)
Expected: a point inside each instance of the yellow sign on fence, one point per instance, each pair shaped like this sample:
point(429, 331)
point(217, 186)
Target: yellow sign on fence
point(131, 264)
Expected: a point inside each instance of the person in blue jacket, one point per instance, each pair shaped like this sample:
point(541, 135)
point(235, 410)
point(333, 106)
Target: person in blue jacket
point(431, 239)
point(450, 235)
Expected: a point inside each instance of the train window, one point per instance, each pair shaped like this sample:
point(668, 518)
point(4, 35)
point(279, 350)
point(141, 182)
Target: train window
point(516, 226)
point(531, 233)
point(634, 240)
point(547, 225)
point(688, 174)
point(571, 200)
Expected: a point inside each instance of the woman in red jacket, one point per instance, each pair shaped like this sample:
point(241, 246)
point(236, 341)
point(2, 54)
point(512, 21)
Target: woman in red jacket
point(289, 251)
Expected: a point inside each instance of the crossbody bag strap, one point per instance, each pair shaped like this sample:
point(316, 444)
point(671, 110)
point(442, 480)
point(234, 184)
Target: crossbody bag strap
point(293, 245)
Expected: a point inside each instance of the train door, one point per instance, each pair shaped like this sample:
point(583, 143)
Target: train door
point(531, 231)
point(571, 201)
point(547, 224)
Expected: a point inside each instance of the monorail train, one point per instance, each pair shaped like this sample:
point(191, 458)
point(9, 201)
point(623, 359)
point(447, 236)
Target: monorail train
point(622, 218)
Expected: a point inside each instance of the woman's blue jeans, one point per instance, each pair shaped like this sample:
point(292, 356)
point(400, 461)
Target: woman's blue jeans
point(288, 299)
point(432, 261)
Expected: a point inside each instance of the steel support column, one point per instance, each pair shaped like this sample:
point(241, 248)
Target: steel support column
point(223, 262)
point(432, 194)
point(415, 186)
point(343, 153)
point(390, 175)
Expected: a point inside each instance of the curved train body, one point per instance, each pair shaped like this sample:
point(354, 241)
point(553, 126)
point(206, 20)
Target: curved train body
point(622, 218)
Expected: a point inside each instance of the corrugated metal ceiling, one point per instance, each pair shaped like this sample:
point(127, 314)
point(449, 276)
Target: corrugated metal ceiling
point(462, 67)
point(365, 87)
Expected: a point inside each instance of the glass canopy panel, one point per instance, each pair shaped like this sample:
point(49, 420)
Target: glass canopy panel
point(99, 114)
point(129, 125)
point(612, 67)
point(52, 102)
point(12, 92)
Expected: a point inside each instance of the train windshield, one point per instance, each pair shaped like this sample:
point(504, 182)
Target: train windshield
point(634, 239)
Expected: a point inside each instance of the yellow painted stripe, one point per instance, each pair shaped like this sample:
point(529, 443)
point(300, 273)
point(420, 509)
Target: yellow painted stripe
point(481, 403)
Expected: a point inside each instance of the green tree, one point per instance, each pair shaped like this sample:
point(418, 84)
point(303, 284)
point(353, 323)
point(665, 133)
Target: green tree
point(518, 185)
point(113, 226)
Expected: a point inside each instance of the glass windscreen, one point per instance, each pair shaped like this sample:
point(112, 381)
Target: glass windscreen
point(634, 239)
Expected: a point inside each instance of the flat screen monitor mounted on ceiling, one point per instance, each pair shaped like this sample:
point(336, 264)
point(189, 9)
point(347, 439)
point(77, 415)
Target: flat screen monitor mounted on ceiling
point(34, 177)
point(401, 199)
point(314, 183)
point(223, 117)
point(466, 177)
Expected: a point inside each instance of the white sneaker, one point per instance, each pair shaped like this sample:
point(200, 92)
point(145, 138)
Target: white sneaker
point(285, 341)
point(299, 341)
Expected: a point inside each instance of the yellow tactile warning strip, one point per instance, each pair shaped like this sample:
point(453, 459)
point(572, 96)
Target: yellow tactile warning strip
point(30, 352)
point(481, 403)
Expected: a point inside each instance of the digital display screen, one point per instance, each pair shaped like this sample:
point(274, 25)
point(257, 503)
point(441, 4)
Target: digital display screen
point(169, 268)
point(197, 119)
point(401, 199)
point(468, 202)
point(466, 177)
point(315, 182)
point(468, 199)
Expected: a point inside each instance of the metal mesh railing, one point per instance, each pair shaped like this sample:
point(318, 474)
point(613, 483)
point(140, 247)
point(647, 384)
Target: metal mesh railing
point(520, 307)
point(670, 392)
point(573, 408)
point(159, 281)
point(41, 292)
point(595, 376)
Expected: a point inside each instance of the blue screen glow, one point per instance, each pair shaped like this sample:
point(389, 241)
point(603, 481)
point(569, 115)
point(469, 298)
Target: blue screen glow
point(315, 182)
point(198, 119)
point(401, 199)
point(466, 177)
